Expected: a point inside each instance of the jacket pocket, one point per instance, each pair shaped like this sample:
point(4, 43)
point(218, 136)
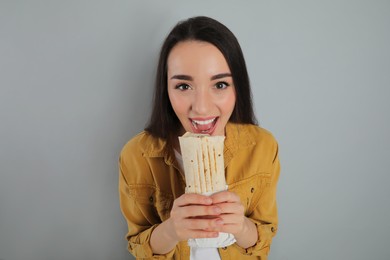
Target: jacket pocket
point(250, 190)
point(154, 204)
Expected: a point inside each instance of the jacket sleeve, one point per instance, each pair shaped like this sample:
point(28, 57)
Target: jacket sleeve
point(141, 222)
point(265, 215)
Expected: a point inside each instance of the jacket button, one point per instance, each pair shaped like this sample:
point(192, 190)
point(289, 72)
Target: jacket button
point(272, 229)
point(252, 190)
point(151, 198)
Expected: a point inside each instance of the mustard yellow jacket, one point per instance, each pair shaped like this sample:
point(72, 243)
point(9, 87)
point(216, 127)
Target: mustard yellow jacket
point(150, 180)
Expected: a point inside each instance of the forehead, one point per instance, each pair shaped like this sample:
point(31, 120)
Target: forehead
point(196, 57)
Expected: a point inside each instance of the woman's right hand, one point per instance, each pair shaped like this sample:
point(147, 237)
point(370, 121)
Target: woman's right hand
point(194, 216)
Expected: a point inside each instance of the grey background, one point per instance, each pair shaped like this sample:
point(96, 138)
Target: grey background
point(76, 83)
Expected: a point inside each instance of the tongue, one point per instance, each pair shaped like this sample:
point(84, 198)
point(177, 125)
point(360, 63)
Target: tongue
point(204, 127)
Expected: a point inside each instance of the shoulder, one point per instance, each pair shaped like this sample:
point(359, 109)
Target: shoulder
point(261, 135)
point(134, 157)
point(264, 142)
point(132, 152)
point(257, 130)
point(138, 148)
point(143, 144)
point(251, 150)
point(261, 141)
point(248, 134)
point(136, 143)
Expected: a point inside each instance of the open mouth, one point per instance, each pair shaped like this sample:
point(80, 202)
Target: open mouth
point(204, 126)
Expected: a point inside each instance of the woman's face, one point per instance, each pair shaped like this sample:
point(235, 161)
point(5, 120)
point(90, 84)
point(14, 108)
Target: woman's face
point(200, 87)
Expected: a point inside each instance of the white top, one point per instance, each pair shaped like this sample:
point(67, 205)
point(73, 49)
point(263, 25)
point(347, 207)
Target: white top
point(199, 253)
point(202, 253)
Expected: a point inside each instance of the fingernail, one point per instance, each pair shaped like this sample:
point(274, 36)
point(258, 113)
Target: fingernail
point(217, 210)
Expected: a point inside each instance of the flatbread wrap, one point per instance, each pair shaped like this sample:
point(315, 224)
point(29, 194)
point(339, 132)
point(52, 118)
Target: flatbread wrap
point(203, 163)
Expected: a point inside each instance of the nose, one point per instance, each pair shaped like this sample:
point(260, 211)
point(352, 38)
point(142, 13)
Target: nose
point(202, 102)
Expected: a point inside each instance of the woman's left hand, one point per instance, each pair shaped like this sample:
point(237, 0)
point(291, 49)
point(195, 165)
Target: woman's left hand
point(232, 211)
point(234, 219)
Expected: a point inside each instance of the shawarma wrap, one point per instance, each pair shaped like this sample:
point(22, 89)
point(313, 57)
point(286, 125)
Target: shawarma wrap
point(203, 163)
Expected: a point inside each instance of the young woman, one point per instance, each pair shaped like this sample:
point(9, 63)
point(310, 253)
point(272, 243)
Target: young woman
point(202, 86)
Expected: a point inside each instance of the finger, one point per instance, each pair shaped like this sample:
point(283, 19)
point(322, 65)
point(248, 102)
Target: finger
point(192, 199)
point(217, 229)
point(224, 196)
point(202, 234)
point(230, 228)
point(200, 211)
point(231, 208)
point(232, 219)
point(204, 224)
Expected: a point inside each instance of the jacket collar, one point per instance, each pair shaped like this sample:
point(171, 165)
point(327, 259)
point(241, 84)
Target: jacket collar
point(237, 137)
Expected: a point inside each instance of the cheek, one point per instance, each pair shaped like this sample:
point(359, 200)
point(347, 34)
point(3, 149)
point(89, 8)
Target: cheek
point(228, 103)
point(172, 99)
point(178, 104)
point(232, 102)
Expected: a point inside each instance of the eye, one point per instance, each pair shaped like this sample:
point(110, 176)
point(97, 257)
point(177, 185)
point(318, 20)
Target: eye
point(221, 85)
point(183, 86)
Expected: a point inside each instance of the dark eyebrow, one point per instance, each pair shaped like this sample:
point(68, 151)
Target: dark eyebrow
point(182, 77)
point(187, 77)
point(220, 76)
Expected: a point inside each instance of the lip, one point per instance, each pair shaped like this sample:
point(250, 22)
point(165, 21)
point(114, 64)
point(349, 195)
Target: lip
point(210, 130)
point(203, 118)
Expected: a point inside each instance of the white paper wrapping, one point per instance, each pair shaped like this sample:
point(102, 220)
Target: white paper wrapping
point(224, 239)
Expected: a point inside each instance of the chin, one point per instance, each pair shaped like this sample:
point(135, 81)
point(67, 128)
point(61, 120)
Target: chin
point(218, 132)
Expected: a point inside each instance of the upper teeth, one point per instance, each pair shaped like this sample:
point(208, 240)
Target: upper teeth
point(205, 122)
